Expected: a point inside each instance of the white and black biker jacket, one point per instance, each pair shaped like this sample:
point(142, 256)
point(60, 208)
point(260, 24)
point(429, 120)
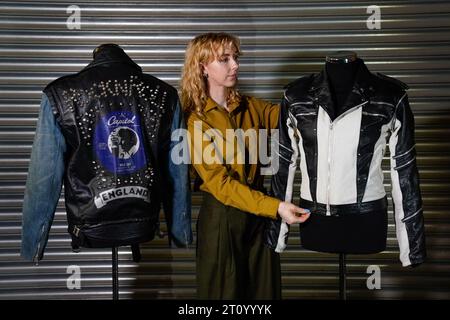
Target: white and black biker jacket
point(340, 160)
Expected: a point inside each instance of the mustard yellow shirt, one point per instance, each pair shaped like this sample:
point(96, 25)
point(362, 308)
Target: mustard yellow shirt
point(227, 173)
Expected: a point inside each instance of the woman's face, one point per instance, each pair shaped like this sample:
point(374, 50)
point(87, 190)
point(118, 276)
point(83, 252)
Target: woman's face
point(223, 71)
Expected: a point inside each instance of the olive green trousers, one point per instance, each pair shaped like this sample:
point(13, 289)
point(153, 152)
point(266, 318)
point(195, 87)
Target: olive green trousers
point(232, 261)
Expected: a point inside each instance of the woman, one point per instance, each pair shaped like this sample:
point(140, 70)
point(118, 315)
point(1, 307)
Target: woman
point(232, 262)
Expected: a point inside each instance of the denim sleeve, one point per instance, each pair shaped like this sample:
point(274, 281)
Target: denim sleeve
point(44, 182)
point(181, 232)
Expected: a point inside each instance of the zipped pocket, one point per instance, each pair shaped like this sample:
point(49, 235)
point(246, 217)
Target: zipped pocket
point(300, 103)
point(306, 114)
point(382, 103)
point(374, 114)
point(412, 216)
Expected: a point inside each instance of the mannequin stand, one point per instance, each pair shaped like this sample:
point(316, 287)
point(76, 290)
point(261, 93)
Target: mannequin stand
point(115, 273)
point(115, 266)
point(342, 277)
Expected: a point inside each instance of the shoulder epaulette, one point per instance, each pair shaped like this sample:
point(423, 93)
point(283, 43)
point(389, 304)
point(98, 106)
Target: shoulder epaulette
point(297, 81)
point(60, 79)
point(395, 81)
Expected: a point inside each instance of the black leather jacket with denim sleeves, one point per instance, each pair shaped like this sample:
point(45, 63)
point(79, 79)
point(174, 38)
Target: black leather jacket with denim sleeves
point(117, 123)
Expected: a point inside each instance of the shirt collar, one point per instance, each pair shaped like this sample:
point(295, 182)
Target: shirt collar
point(211, 104)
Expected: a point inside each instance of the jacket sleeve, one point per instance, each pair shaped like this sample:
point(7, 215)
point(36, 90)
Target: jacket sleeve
point(219, 180)
point(282, 183)
point(44, 182)
point(406, 194)
point(287, 151)
point(177, 195)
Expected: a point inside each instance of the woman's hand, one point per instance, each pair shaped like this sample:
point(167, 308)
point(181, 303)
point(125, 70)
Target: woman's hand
point(290, 213)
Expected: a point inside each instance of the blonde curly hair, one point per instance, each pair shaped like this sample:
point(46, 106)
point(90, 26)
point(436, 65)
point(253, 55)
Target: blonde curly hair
point(203, 49)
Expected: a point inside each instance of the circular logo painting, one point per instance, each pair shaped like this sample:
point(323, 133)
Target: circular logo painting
point(118, 142)
point(123, 142)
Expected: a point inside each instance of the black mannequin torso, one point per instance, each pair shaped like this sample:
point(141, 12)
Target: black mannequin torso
point(341, 77)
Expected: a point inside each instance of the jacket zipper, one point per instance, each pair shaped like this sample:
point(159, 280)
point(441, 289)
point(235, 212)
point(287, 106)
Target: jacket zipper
point(330, 145)
point(35, 259)
point(106, 223)
point(36, 256)
point(375, 114)
point(299, 103)
point(404, 153)
point(306, 114)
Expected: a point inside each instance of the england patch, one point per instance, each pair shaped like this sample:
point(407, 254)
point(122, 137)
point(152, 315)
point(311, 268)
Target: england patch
point(119, 193)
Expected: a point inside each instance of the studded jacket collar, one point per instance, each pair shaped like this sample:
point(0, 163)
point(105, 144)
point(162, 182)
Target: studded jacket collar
point(111, 53)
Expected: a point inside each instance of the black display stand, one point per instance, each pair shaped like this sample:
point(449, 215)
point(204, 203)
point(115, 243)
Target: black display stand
point(115, 266)
point(342, 277)
point(115, 273)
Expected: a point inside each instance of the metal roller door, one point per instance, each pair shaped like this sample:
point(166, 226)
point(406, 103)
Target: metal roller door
point(41, 41)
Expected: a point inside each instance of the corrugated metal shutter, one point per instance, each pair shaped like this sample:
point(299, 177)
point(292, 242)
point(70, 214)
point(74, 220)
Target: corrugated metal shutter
point(281, 41)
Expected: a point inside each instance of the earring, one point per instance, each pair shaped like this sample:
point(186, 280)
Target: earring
point(205, 75)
